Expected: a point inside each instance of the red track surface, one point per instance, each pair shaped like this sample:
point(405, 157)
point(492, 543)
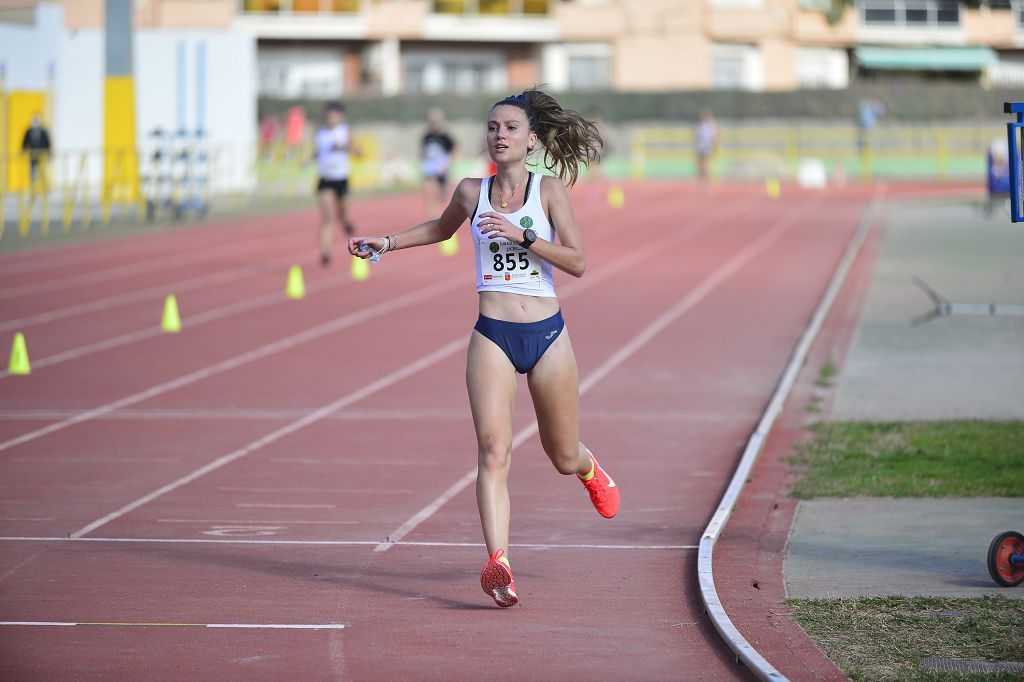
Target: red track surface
point(225, 434)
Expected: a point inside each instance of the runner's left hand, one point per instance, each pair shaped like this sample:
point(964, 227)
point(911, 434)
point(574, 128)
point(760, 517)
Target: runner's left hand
point(496, 225)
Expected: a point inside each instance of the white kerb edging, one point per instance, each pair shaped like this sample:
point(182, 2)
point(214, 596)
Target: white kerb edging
point(705, 571)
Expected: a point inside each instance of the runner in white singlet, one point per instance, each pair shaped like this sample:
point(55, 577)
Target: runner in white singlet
point(522, 227)
point(332, 148)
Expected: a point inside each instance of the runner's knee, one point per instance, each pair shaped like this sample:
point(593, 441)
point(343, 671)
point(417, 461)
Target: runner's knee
point(566, 461)
point(494, 457)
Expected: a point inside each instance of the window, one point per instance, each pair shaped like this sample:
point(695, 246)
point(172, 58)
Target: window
point(910, 13)
point(819, 67)
point(465, 72)
point(300, 72)
point(736, 67)
point(589, 72)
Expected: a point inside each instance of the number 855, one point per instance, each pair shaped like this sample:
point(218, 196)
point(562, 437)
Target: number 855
point(509, 262)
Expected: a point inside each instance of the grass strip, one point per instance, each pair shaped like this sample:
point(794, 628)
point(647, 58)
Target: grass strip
point(911, 459)
point(885, 638)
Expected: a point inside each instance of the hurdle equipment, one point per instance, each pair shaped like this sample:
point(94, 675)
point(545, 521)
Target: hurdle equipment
point(171, 322)
point(19, 356)
point(296, 287)
point(944, 307)
point(1015, 143)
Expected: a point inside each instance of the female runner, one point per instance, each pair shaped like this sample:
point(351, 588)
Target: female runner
point(515, 217)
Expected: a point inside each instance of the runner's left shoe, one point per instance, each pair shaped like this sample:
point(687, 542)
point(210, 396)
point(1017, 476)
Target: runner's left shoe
point(497, 581)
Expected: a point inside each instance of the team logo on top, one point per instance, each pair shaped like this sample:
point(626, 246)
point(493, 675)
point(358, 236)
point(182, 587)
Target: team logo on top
point(526, 222)
point(494, 247)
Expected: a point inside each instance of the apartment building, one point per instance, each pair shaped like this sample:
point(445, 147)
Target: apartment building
point(336, 47)
point(332, 48)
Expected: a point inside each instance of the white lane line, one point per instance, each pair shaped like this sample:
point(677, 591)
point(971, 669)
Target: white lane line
point(191, 258)
point(268, 505)
point(627, 350)
point(108, 302)
point(338, 543)
point(739, 645)
point(189, 323)
point(99, 460)
point(330, 491)
point(285, 414)
point(277, 434)
point(263, 626)
point(106, 249)
point(255, 522)
point(628, 260)
point(24, 518)
point(269, 349)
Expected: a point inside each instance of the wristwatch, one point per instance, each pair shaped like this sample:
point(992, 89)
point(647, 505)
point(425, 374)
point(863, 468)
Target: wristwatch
point(529, 237)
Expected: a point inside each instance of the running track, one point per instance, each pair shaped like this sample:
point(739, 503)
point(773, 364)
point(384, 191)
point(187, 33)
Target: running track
point(310, 462)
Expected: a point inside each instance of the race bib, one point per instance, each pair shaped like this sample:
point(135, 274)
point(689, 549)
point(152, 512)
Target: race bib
point(503, 262)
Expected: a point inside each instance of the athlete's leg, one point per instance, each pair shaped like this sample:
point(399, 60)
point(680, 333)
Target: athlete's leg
point(491, 381)
point(555, 389)
point(346, 226)
point(328, 216)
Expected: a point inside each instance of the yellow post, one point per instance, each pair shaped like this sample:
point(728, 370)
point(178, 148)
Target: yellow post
point(637, 156)
point(68, 191)
point(3, 151)
point(24, 213)
point(41, 189)
point(121, 173)
point(86, 205)
point(943, 143)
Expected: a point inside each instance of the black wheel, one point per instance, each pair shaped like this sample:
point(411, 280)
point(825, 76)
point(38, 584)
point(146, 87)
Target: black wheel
point(1002, 570)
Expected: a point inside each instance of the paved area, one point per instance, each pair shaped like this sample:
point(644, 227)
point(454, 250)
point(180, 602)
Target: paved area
point(912, 547)
point(947, 368)
point(950, 367)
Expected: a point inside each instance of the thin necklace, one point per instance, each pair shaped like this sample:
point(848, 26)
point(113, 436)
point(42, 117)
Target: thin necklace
point(504, 202)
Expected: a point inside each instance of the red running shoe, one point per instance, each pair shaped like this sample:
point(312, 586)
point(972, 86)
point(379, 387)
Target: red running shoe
point(497, 581)
point(603, 491)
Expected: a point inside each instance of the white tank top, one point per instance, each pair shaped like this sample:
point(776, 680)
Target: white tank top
point(502, 265)
point(333, 164)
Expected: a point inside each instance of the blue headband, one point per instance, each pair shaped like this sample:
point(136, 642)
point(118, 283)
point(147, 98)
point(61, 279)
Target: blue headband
point(520, 101)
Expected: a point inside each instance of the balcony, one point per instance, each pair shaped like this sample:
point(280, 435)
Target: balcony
point(300, 7)
point(493, 8)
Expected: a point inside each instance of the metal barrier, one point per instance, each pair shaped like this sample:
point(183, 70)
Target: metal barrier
point(937, 152)
point(172, 177)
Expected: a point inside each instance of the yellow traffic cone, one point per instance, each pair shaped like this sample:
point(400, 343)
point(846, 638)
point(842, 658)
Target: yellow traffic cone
point(772, 188)
point(19, 356)
point(172, 321)
point(360, 268)
point(296, 287)
point(450, 246)
point(616, 197)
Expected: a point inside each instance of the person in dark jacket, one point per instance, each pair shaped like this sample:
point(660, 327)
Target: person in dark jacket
point(36, 144)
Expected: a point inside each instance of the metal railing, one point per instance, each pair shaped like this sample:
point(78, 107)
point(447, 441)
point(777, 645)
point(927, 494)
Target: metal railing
point(921, 151)
point(82, 189)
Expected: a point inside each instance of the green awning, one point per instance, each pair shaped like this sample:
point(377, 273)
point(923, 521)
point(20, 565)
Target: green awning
point(926, 58)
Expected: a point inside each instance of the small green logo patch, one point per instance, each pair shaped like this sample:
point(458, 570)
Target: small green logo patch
point(526, 222)
point(494, 247)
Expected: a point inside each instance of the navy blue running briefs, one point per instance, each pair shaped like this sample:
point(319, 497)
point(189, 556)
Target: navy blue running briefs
point(523, 342)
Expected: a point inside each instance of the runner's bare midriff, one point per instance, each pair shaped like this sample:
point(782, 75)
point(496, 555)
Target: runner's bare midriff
point(502, 305)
